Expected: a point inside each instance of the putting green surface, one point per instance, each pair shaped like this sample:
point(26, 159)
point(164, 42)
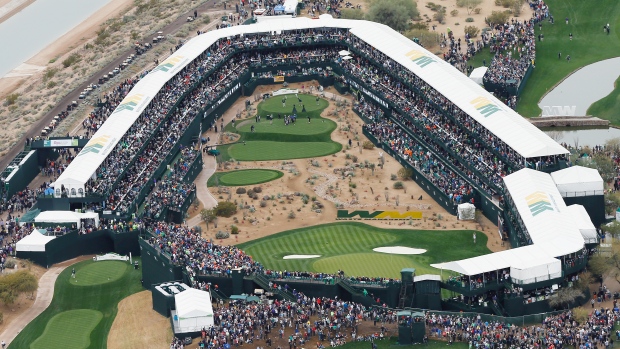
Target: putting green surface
point(243, 177)
point(69, 329)
point(349, 246)
point(273, 105)
point(270, 150)
point(273, 140)
point(99, 273)
point(607, 107)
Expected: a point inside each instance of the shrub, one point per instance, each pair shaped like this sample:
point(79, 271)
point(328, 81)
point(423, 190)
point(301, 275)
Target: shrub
point(9, 264)
point(497, 17)
point(12, 98)
point(206, 19)
point(477, 10)
point(291, 215)
point(225, 209)
point(405, 173)
point(234, 229)
point(454, 13)
point(418, 25)
point(368, 145)
point(472, 30)
point(352, 185)
point(393, 177)
point(51, 84)
point(250, 193)
point(257, 189)
point(398, 185)
point(439, 16)
point(263, 203)
point(197, 228)
point(469, 20)
point(222, 235)
point(49, 73)
point(240, 191)
point(72, 59)
point(353, 158)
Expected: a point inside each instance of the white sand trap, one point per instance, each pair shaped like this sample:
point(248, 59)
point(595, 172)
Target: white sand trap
point(301, 256)
point(399, 250)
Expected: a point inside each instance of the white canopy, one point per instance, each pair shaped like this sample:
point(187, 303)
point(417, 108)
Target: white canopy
point(477, 74)
point(466, 211)
point(66, 217)
point(344, 53)
point(583, 222)
point(193, 309)
point(525, 138)
point(35, 242)
point(578, 181)
point(290, 6)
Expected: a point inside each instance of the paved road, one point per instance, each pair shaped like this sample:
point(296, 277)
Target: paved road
point(35, 130)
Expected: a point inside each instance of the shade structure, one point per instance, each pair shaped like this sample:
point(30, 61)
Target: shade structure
point(66, 217)
point(519, 134)
point(478, 74)
point(579, 181)
point(346, 58)
point(344, 53)
point(194, 310)
point(34, 242)
point(583, 222)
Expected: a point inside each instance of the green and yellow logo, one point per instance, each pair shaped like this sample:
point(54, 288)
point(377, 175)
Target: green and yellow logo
point(130, 102)
point(420, 58)
point(344, 214)
point(485, 106)
point(95, 145)
point(169, 63)
point(538, 202)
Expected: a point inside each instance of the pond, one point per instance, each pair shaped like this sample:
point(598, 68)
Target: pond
point(582, 136)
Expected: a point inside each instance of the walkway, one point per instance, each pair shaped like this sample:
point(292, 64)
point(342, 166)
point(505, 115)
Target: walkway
point(45, 293)
point(582, 88)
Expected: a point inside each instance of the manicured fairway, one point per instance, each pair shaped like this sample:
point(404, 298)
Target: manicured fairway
point(243, 177)
point(99, 273)
point(590, 44)
point(607, 108)
point(69, 329)
point(80, 316)
point(349, 246)
point(274, 140)
point(268, 150)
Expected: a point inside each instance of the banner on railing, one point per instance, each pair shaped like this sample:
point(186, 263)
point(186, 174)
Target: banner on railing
point(278, 78)
point(52, 143)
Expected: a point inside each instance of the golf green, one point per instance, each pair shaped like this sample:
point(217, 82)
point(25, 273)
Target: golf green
point(243, 177)
point(271, 150)
point(274, 105)
point(69, 329)
point(349, 246)
point(99, 273)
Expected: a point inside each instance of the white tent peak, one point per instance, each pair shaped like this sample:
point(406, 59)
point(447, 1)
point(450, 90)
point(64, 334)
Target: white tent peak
point(578, 181)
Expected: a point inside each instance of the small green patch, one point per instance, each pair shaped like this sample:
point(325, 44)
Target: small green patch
point(271, 150)
point(69, 329)
point(99, 273)
point(607, 107)
point(243, 177)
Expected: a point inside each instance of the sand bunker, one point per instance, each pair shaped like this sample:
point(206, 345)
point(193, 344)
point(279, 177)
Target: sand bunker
point(399, 250)
point(301, 256)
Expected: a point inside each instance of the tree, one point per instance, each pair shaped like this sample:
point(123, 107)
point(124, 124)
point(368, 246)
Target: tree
point(208, 216)
point(564, 297)
point(612, 202)
point(604, 165)
point(613, 145)
point(12, 285)
point(351, 13)
point(396, 14)
point(225, 209)
point(469, 4)
point(606, 265)
point(497, 17)
point(472, 30)
point(405, 173)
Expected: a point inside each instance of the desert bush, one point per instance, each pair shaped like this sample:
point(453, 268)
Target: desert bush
point(439, 16)
point(393, 177)
point(354, 158)
point(405, 173)
point(497, 17)
point(12, 98)
point(454, 13)
point(197, 228)
point(222, 235)
point(291, 215)
point(51, 84)
point(250, 193)
point(225, 209)
point(398, 185)
point(240, 190)
point(257, 189)
point(352, 185)
point(9, 264)
point(368, 145)
point(469, 20)
point(418, 25)
point(71, 60)
point(234, 229)
point(477, 10)
point(263, 203)
point(472, 30)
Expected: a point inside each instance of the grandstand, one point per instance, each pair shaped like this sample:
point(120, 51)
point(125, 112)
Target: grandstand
point(461, 142)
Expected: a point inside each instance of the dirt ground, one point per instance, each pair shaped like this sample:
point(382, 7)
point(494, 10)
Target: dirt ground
point(329, 188)
point(137, 325)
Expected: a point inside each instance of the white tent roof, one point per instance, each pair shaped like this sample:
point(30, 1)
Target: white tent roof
point(35, 242)
point(578, 181)
point(477, 74)
point(290, 6)
point(193, 303)
point(543, 212)
point(58, 217)
point(582, 221)
point(502, 121)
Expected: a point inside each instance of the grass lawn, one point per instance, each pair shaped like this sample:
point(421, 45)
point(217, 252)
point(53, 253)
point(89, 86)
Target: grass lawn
point(69, 329)
point(349, 246)
point(590, 44)
point(99, 273)
point(243, 177)
point(607, 108)
point(79, 316)
point(273, 140)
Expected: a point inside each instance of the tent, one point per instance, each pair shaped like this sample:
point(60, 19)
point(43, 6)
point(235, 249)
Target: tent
point(477, 74)
point(344, 53)
point(578, 181)
point(194, 310)
point(466, 212)
point(59, 217)
point(582, 221)
point(290, 6)
point(35, 242)
point(278, 9)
